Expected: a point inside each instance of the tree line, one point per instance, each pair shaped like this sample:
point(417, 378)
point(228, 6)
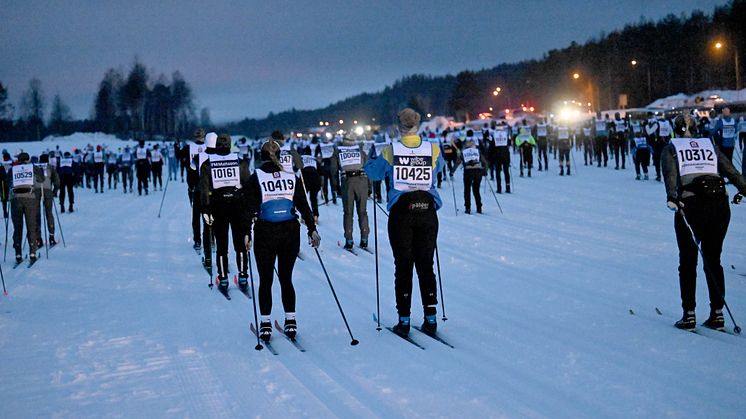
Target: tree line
point(674, 54)
point(131, 105)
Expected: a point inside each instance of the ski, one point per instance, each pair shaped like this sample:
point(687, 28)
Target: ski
point(198, 250)
point(301, 256)
point(244, 291)
point(407, 338)
point(293, 341)
point(365, 249)
point(16, 264)
point(225, 293)
point(32, 262)
point(344, 248)
point(435, 336)
point(266, 344)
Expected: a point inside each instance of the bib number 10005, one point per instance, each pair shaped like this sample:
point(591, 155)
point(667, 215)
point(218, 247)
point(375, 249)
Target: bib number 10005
point(413, 173)
point(696, 155)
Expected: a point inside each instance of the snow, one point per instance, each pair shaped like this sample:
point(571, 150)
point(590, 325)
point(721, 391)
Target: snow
point(121, 321)
point(709, 96)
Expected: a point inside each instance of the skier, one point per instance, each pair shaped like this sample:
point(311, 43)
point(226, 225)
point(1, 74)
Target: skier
point(97, 168)
point(312, 181)
point(67, 181)
point(525, 143)
point(413, 222)
point(198, 161)
point(173, 162)
point(23, 177)
point(725, 133)
point(542, 134)
point(618, 139)
point(475, 167)
point(243, 150)
point(665, 131)
point(125, 168)
point(191, 152)
point(328, 170)
point(501, 154)
point(47, 191)
point(223, 181)
point(564, 144)
point(273, 197)
point(354, 187)
point(601, 136)
point(641, 151)
point(156, 167)
point(112, 169)
point(142, 167)
point(693, 169)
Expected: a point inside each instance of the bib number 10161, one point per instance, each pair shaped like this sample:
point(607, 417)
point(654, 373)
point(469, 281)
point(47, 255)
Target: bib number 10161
point(225, 172)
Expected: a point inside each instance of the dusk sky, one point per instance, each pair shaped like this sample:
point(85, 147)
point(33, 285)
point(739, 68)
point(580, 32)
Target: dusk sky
point(247, 58)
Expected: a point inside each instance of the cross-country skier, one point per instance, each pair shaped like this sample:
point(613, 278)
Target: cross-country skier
point(641, 152)
point(564, 144)
point(413, 222)
point(25, 205)
point(274, 195)
point(501, 155)
point(223, 182)
point(67, 181)
point(327, 169)
point(191, 152)
point(725, 133)
point(541, 130)
point(601, 137)
point(142, 167)
point(618, 139)
point(525, 143)
point(312, 180)
point(156, 167)
point(47, 191)
point(112, 168)
point(350, 159)
point(475, 167)
point(693, 171)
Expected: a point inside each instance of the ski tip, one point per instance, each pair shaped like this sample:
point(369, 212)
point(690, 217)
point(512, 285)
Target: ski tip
point(354, 342)
point(658, 312)
point(631, 312)
point(733, 267)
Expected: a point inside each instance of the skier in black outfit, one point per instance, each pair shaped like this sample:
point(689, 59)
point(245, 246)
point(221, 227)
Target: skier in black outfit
point(501, 155)
point(142, 167)
point(67, 181)
point(312, 181)
point(475, 167)
point(273, 197)
point(191, 151)
point(693, 171)
point(223, 181)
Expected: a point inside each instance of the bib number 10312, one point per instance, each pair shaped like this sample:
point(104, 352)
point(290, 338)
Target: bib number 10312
point(693, 155)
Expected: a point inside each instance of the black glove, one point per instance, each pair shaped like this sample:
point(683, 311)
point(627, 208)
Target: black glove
point(737, 198)
point(314, 239)
point(674, 204)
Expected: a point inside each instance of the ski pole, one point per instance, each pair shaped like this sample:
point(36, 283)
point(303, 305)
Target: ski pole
point(512, 179)
point(453, 189)
point(258, 346)
point(440, 282)
point(5, 292)
point(736, 328)
point(383, 210)
point(59, 225)
point(375, 241)
point(164, 196)
point(5, 252)
point(43, 209)
point(495, 195)
point(574, 166)
point(354, 341)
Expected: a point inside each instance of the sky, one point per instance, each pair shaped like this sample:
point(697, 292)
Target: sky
point(247, 58)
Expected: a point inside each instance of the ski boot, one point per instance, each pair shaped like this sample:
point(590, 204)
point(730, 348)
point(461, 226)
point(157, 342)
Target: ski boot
point(402, 328)
point(223, 284)
point(637, 177)
point(479, 209)
point(243, 282)
point(364, 243)
point(349, 244)
point(529, 172)
point(507, 188)
point(291, 328)
point(52, 241)
point(467, 211)
point(430, 325)
point(62, 209)
point(568, 170)
point(715, 321)
point(658, 178)
point(70, 210)
point(687, 322)
point(39, 243)
point(646, 177)
point(19, 259)
point(197, 246)
point(265, 330)
point(562, 171)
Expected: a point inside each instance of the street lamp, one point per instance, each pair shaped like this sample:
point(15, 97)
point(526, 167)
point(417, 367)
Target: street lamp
point(634, 63)
point(576, 76)
point(720, 45)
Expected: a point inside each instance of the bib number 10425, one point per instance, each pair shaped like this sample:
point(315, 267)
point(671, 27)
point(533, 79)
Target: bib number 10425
point(413, 173)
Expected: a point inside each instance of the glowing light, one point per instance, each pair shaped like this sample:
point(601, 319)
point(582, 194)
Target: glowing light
point(299, 135)
point(429, 115)
point(498, 89)
point(495, 93)
point(576, 76)
point(321, 123)
point(633, 62)
point(329, 135)
point(589, 104)
point(359, 130)
point(524, 109)
point(341, 121)
point(354, 122)
point(490, 108)
point(507, 111)
point(326, 123)
point(718, 45)
point(531, 109)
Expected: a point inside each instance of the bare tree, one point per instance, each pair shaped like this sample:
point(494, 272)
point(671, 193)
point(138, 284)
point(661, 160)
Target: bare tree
point(32, 108)
point(59, 116)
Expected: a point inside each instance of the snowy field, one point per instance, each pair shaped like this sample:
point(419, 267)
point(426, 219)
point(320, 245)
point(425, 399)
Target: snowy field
point(121, 323)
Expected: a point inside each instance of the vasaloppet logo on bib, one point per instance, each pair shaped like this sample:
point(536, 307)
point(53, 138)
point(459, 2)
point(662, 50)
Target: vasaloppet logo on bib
point(694, 144)
point(275, 175)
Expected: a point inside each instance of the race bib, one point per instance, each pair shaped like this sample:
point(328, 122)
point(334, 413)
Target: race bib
point(729, 131)
point(471, 155)
point(600, 126)
point(327, 150)
point(563, 133)
point(541, 130)
point(349, 156)
point(156, 156)
point(224, 171)
point(587, 132)
point(66, 162)
point(126, 157)
point(501, 137)
point(98, 157)
point(695, 156)
point(195, 149)
point(23, 175)
point(277, 185)
point(171, 152)
point(641, 142)
point(664, 130)
point(309, 161)
point(286, 161)
point(413, 168)
point(141, 153)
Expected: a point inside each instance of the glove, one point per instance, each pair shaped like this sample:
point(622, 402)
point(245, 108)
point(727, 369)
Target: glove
point(674, 205)
point(247, 241)
point(208, 219)
point(314, 239)
point(737, 198)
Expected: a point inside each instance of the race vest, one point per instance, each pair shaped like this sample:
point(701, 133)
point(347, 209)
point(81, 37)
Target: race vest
point(224, 171)
point(586, 132)
point(155, 156)
point(278, 189)
point(126, 157)
point(729, 128)
point(243, 149)
point(23, 176)
point(664, 129)
point(636, 128)
point(641, 142)
point(563, 133)
point(309, 161)
point(413, 167)
point(98, 157)
point(696, 156)
point(286, 160)
point(651, 128)
point(171, 152)
point(600, 126)
point(350, 158)
point(141, 153)
point(541, 130)
point(619, 126)
point(471, 156)
point(195, 149)
point(327, 150)
point(66, 162)
point(501, 137)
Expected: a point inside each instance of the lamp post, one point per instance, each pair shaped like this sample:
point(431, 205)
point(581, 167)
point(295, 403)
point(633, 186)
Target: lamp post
point(719, 45)
point(634, 64)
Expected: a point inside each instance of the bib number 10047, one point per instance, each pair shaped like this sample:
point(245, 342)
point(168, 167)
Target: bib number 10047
point(696, 155)
point(412, 173)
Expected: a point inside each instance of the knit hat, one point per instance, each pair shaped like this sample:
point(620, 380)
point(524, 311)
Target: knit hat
point(223, 144)
point(409, 121)
point(23, 157)
point(271, 152)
